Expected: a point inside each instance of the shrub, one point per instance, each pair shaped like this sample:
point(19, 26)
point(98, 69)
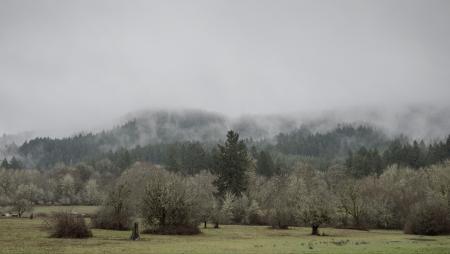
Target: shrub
point(429, 217)
point(68, 225)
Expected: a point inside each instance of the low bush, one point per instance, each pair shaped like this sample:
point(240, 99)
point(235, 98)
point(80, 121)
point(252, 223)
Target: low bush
point(68, 225)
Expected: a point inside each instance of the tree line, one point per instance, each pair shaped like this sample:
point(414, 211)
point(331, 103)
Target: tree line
point(363, 150)
point(242, 186)
point(20, 190)
point(417, 201)
point(414, 155)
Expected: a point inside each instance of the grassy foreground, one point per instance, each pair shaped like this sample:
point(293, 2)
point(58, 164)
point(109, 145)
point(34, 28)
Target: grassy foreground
point(26, 236)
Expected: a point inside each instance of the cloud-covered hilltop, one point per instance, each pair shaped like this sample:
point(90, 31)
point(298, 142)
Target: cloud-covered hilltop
point(168, 126)
point(155, 127)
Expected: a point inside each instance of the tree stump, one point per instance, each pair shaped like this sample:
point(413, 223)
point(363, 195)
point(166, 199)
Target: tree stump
point(135, 233)
point(315, 229)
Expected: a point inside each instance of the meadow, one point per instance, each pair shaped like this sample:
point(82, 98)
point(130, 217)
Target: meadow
point(27, 236)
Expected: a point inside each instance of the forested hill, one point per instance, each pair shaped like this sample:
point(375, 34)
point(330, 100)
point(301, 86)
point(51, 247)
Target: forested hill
point(147, 128)
point(143, 129)
point(186, 141)
point(45, 152)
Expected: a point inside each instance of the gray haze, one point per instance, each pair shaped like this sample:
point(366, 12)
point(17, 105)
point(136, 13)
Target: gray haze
point(67, 66)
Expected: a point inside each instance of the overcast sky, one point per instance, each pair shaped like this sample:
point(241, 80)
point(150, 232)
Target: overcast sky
point(77, 64)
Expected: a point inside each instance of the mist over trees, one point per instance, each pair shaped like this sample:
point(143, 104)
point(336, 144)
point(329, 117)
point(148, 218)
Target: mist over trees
point(362, 149)
point(352, 176)
point(151, 133)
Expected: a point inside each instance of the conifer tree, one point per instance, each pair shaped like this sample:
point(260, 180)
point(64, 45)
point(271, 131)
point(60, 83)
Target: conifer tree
point(4, 164)
point(231, 165)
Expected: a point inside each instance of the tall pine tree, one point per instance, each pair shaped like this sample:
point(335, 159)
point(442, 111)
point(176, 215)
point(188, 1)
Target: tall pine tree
point(231, 165)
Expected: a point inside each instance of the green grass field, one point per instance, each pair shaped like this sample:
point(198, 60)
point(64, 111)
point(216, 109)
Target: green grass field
point(27, 236)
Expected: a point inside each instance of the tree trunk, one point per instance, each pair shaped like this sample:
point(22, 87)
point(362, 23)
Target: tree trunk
point(216, 225)
point(315, 229)
point(162, 221)
point(135, 233)
point(357, 222)
point(204, 225)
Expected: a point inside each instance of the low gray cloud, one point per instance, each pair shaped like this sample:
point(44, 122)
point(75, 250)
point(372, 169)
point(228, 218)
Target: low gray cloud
point(66, 66)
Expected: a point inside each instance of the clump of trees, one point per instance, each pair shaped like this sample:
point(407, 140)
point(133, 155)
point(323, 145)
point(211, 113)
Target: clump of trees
point(281, 201)
point(170, 204)
point(167, 202)
point(317, 204)
point(14, 163)
point(415, 154)
point(204, 190)
point(22, 189)
point(116, 212)
point(429, 217)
